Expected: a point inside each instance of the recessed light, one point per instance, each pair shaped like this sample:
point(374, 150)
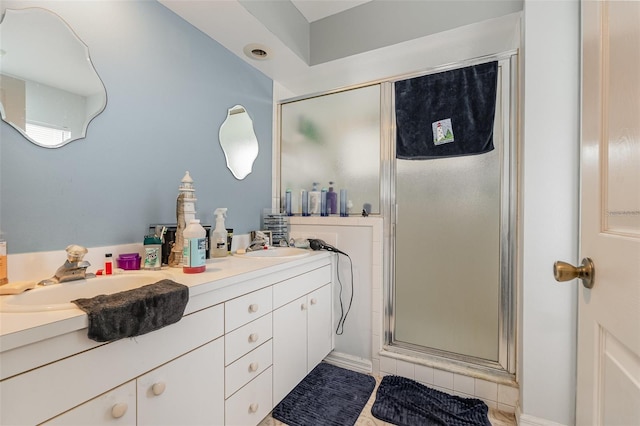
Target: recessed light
point(257, 51)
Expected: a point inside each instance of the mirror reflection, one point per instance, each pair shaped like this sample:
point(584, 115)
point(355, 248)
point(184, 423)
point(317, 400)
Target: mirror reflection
point(238, 141)
point(49, 89)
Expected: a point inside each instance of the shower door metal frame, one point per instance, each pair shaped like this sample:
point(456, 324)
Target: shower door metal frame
point(506, 365)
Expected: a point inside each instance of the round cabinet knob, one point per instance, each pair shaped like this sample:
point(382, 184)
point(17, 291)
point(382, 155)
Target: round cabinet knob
point(119, 410)
point(563, 271)
point(303, 307)
point(314, 301)
point(158, 388)
point(253, 337)
point(253, 307)
point(253, 366)
point(253, 407)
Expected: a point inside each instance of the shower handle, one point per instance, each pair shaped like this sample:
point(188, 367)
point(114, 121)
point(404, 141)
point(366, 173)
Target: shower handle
point(563, 271)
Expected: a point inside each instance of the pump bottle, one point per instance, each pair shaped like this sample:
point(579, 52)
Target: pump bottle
point(219, 235)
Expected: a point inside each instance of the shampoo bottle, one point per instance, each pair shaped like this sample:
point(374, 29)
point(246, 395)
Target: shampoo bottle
point(219, 235)
point(332, 200)
point(304, 202)
point(194, 252)
point(287, 203)
point(314, 200)
point(323, 202)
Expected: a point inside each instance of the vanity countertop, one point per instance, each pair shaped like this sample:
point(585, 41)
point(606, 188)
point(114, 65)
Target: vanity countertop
point(20, 329)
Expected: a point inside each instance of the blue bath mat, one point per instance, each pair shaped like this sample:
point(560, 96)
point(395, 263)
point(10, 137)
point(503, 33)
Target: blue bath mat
point(328, 396)
point(405, 402)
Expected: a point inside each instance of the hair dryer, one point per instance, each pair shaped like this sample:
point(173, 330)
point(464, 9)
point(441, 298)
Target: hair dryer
point(316, 244)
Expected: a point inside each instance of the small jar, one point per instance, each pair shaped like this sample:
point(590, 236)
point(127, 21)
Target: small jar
point(152, 253)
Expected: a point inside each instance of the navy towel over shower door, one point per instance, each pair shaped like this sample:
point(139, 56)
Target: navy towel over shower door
point(446, 114)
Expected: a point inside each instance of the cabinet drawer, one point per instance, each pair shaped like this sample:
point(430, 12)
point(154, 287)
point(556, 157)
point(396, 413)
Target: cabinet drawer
point(250, 404)
point(247, 368)
point(296, 287)
point(116, 407)
point(247, 338)
point(240, 311)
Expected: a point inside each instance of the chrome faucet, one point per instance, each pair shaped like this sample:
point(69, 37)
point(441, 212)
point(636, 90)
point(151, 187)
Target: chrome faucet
point(73, 269)
point(260, 242)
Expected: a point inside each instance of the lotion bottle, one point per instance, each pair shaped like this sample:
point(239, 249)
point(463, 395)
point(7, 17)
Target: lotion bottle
point(219, 235)
point(314, 200)
point(194, 252)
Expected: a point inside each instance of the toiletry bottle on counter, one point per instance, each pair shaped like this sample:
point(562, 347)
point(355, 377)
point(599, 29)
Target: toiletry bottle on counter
point(343, 203)
point(194, 251)
point(108, 264)
point(152, 252)
point(323, 202)
point(4, 278)
point(219, 235)
point(287, 203)
point(332, 201)
point(304, 202)
point(314, 200)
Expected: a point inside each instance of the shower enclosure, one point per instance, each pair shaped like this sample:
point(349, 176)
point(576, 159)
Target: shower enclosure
point(452, 246)
point(449, 223)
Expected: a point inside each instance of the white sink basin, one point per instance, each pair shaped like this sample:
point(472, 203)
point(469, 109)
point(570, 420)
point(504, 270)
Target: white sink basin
point(58, 297)
point(277, 252)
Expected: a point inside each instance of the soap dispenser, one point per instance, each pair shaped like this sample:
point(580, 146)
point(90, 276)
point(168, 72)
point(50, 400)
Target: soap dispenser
point(219, 235)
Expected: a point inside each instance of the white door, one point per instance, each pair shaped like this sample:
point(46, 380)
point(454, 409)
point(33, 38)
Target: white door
point(608, 389)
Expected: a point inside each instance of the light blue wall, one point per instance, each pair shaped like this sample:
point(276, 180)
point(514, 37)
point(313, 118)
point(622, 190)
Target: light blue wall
point(168, 88)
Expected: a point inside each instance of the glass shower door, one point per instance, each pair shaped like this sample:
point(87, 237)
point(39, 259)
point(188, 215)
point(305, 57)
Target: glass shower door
point(447, 254)
point(451, 292)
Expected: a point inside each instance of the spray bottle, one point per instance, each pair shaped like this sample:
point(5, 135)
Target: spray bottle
point(219, 235)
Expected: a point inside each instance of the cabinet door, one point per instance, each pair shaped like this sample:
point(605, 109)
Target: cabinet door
point(186, 391)
point(319, 326)
point(116, 407)
point(289, 347)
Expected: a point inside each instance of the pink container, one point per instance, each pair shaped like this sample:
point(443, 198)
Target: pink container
point(129, 261)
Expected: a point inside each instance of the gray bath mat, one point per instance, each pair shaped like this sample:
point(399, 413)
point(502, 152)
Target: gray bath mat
point(328, 396)
point(405, 402)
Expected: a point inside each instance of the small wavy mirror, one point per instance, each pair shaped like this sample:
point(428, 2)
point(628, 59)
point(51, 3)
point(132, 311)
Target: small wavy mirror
point(49, 89)
point(238, 141)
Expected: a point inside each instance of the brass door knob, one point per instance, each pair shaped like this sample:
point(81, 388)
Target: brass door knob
point(563, 271)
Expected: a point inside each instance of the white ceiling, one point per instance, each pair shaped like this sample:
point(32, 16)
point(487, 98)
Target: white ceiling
point(377, 29)
point(314, 10)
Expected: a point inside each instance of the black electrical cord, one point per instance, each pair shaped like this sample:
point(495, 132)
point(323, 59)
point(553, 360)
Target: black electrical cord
point(343, 315)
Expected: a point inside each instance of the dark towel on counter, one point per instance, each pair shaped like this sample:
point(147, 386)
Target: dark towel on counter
point(134, 312)
point(447, 114)
point(405, 402)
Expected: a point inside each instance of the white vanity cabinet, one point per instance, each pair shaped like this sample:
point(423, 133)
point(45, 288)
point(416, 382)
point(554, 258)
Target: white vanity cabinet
point(188, 357)
point(237, 344)
point(116, 407)
point(302, 328)
point(186, 391)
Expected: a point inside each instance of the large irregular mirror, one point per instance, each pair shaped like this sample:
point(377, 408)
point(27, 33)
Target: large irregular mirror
point(238, 141)
point(49, 89)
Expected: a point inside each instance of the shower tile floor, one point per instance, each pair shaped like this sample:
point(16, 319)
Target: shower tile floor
point(497, 418)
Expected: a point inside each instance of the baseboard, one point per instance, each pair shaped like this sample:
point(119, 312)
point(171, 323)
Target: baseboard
point(349, 362)
point(528, 420)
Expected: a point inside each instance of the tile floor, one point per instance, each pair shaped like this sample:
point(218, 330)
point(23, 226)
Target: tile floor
point(497, 418)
